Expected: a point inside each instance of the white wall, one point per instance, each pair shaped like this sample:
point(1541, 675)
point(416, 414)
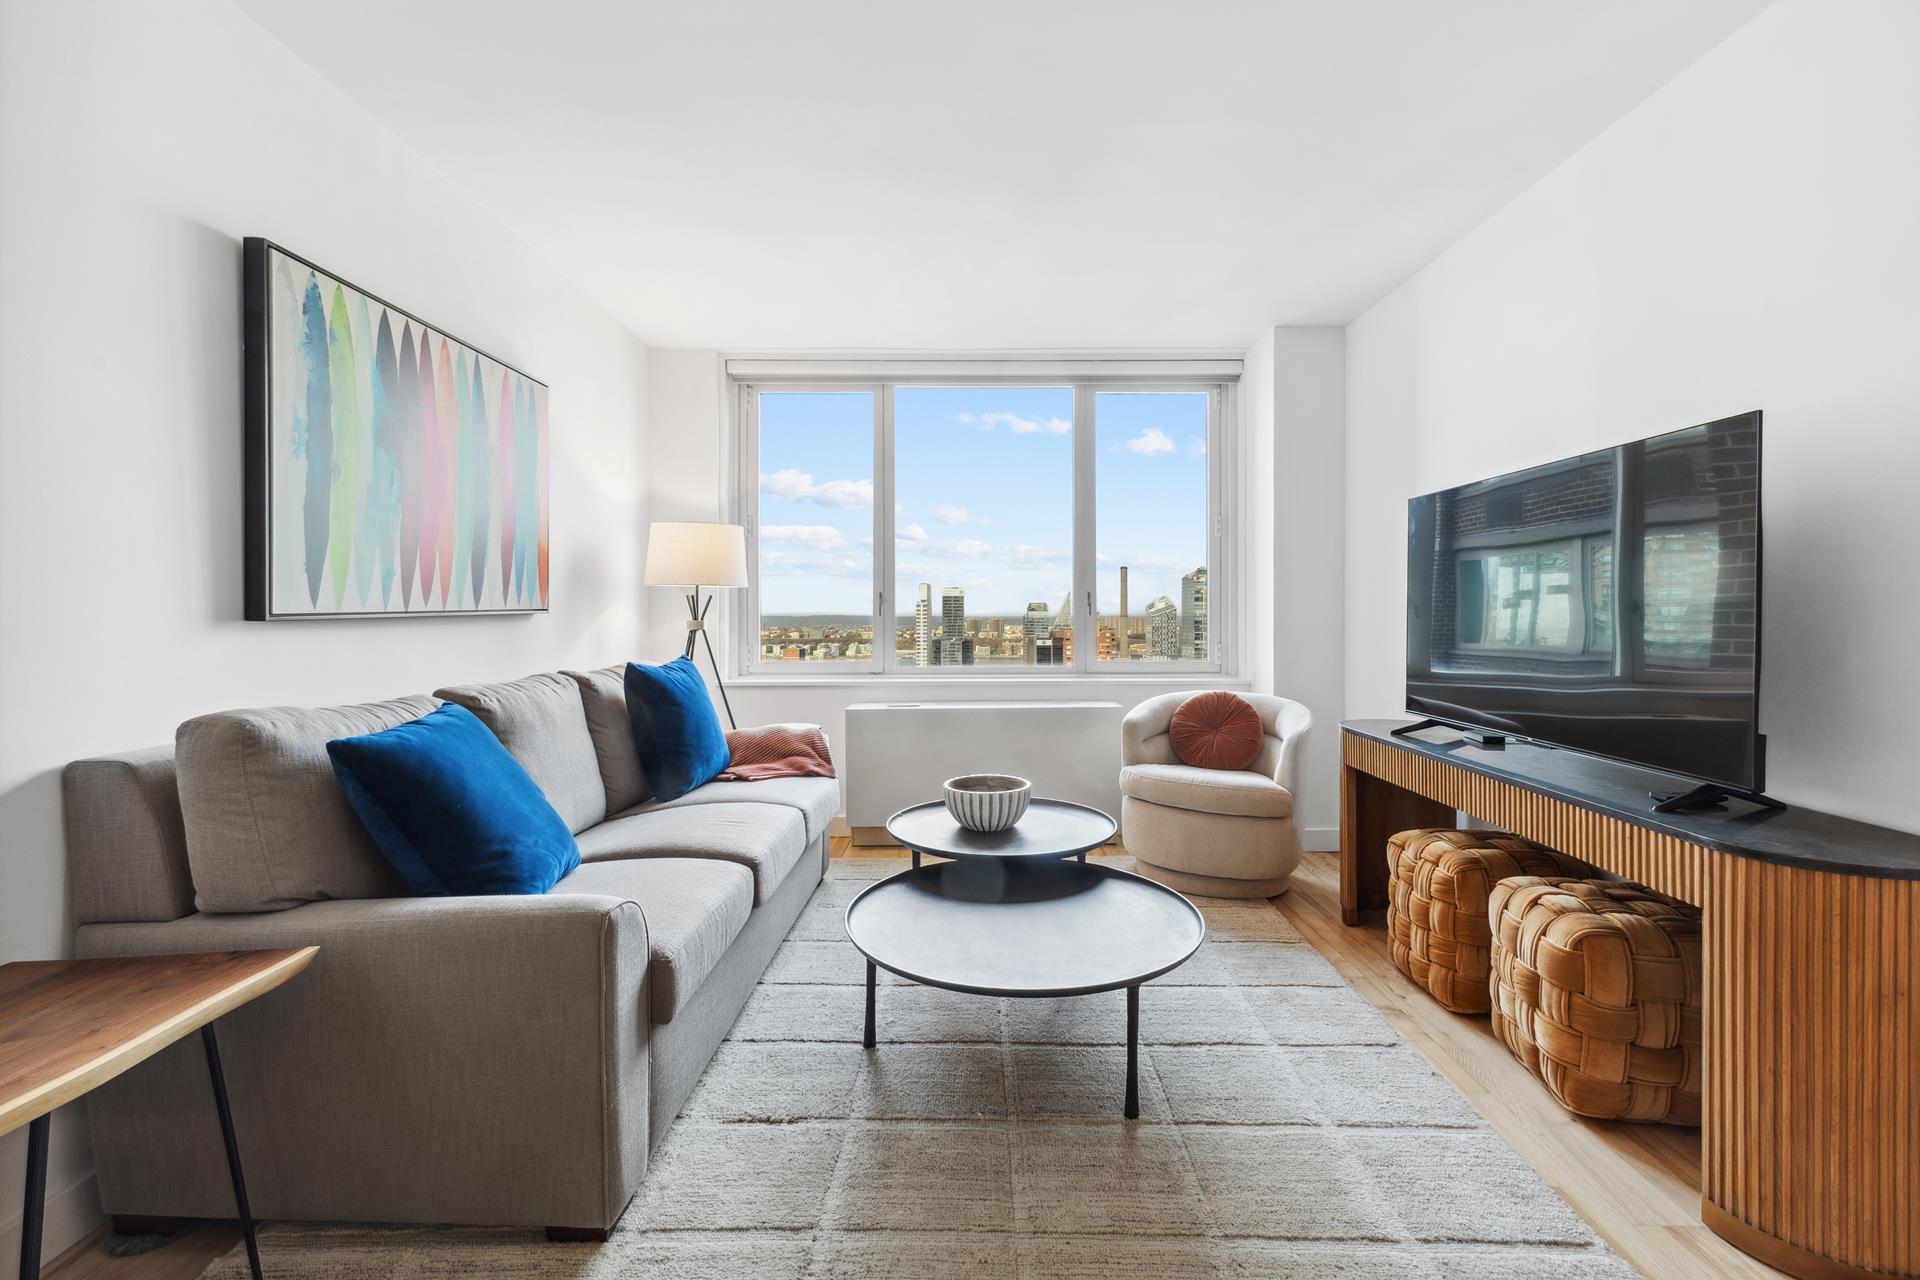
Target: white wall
point(138, 144)
point(1309, 460)
point(1256, 497)
point(1292, 412)
point(1744, 239)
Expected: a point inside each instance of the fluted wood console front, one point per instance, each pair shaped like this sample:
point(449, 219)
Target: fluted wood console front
point(1811, 1131)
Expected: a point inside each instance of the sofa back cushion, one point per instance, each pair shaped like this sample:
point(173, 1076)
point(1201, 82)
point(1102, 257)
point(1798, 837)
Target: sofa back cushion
point(603, 697)
point(541, 722)
point(267, 825)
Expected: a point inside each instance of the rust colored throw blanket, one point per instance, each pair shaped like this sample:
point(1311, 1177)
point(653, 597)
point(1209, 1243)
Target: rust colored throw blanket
point(777, 751)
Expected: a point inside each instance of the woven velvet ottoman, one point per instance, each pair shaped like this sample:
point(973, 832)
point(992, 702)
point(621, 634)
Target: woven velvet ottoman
point(1438, 883)
point(1597, 991)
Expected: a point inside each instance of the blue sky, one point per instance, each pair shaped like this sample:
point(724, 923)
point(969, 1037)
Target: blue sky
point(984, 496)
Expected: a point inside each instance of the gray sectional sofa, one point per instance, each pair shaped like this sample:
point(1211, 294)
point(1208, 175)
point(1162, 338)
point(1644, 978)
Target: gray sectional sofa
point(491, 1060)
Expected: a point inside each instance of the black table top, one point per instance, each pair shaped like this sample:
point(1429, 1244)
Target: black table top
point(1048, 829)
point(1795, 836)
point(1052, 928)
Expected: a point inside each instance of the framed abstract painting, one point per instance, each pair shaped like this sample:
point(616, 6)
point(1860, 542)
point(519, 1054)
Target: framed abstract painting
point(391, 469)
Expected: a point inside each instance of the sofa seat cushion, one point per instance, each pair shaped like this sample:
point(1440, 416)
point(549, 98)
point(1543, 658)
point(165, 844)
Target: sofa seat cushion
point(1236, 793)
point(694, 909)
point(266, 823)
point(816, 799)
point(541, 721)
point(767, 839)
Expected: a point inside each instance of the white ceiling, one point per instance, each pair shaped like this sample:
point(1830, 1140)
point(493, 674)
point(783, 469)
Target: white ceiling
point(995, 173)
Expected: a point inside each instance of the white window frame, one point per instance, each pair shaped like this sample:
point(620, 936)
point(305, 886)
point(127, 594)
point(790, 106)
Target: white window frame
point(747, 380)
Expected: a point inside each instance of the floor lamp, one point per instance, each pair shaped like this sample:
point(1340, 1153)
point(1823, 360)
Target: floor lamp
point(696, 555)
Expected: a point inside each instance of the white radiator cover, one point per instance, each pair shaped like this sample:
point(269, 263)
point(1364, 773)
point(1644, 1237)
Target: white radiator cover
point(898, 753)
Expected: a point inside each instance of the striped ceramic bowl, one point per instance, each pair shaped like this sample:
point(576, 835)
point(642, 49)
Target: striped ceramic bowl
point(987, 801)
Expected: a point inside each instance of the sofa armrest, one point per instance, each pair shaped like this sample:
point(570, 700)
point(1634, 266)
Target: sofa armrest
point(469, 1060)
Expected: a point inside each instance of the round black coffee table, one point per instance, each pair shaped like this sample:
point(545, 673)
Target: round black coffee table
point(1025, 929)
point(1048, 829)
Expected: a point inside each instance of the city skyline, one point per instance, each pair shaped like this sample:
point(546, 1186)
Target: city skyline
point(955, 636)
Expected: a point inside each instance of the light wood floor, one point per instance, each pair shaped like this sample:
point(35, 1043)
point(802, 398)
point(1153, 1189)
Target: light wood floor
point(1638, 1185)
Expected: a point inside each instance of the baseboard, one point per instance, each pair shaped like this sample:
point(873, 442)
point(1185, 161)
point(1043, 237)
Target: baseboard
point(1320, 839)
point(72, 1216)
point(839, 827)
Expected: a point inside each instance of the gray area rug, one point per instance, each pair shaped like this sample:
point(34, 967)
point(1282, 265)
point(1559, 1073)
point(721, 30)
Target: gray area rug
point(1285, 1130)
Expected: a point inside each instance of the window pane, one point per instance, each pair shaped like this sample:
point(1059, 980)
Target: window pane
point(983, 526)
point(1150, 516)
point(815, 526)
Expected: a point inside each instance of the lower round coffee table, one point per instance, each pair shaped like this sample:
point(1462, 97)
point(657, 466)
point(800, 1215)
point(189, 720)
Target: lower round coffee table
point(1025, 929)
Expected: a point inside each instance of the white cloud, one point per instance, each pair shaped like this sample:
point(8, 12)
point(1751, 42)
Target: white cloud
point(1022, 556)
point(962, 548)
point(1197, 446)
point(1150, 441)
point(911, 533)
point(790, 482)
point(1019, 555)
point(816, 537)
point(778, 561)
point(1013, 422)
point(946, 513)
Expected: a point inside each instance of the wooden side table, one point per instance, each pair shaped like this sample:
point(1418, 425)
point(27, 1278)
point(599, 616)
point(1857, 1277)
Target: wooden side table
point(69, 1026)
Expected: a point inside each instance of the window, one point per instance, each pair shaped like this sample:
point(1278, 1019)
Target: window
point(814, 533)
point(953, 526)
point(1151, 520)
point(983, 526)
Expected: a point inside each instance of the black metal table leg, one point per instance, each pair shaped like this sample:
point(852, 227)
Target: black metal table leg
point(873, 976)
point(233, 1147)
point(33, 1217)
point(1083, 857)
point(916, 859)
point(1133, 1053)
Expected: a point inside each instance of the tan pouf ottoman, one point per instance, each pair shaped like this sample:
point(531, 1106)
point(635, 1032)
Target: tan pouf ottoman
point(1597, 990)
point(1438, 882)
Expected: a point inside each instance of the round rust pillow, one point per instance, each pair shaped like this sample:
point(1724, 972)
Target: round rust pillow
point(1216, 730)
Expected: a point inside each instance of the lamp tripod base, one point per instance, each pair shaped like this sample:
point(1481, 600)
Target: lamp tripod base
point(697, 630)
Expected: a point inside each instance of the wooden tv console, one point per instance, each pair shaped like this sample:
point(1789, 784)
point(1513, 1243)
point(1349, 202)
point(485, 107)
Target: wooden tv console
point(1811, 1128)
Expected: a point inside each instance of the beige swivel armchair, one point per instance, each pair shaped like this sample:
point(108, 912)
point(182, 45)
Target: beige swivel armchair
point(1224, 833)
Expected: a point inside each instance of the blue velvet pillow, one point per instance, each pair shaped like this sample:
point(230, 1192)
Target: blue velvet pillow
point(451, 809)
point(675, 730)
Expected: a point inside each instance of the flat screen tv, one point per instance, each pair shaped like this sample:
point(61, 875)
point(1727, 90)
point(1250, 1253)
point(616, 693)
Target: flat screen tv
point(1608, 603)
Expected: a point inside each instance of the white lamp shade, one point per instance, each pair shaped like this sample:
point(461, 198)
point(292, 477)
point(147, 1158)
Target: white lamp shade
point(696, 553)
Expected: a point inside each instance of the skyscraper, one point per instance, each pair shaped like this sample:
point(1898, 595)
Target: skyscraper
point(923, 627)
point(1037, 627)
point(1163, 628)
point(955, 649)
point(1064, 618)
point(1193, 614)
point(1126, 623)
